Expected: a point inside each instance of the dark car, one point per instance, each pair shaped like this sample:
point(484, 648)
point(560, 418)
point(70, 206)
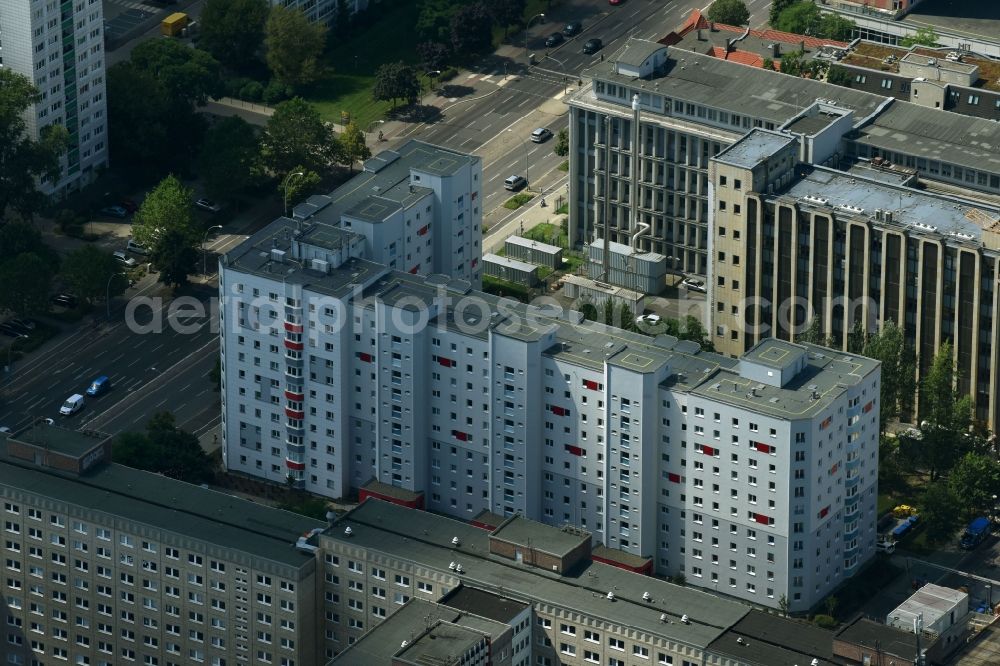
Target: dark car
point(19, 326)
point(555, 39)
point(99, 386)
point(573, 28)
point(129, 205)
point(13, 331)
point(27, 324)
point(593, 46)
point(114, 211)
point(64, 300)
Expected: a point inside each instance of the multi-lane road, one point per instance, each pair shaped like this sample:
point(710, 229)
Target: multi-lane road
point(490, 112)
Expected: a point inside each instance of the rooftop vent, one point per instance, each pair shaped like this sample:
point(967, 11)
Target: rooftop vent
point(455, 542)
point(739, 640)
point(348, 531)
point(452, 566)
point(685, 619)
point(663, 617)
point(611, 596)
point(403, 644)
point(646, 596)
point(458, 568)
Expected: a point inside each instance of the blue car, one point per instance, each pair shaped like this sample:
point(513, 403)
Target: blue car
point(100, 385)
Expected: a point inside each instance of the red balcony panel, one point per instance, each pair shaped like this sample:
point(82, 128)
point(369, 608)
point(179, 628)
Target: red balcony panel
point(367, 358)
point(574, 450)
point(835, 468)
point(558, 411)
point(422, 231)
point(294, 413)
point(762, 519)
point(868, 407)
point(592, 385)
point(415, 269)
point(292, 395)
point(763, 448)
point(297, 466)
point(673, 478)
point(446, 362)
point(293, 328)
point(708, 450)
point(460, 436)
point(826, 423)
point(823, 512)
point(295, 346)
point(474, 262)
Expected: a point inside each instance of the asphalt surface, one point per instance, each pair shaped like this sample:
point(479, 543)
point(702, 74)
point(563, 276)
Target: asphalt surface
point(490, 112)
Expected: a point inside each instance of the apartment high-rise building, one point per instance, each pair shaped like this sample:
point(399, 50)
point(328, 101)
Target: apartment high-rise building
point(353, 373)
point(59, 47)
point(325, 11)
point(108, 565)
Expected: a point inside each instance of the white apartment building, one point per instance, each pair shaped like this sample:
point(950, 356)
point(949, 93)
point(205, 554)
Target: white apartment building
point(755, 476)
point(417, 208)
point(323, 11)
point(59, 46)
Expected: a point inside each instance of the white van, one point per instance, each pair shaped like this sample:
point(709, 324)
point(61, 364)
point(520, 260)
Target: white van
point(73, 404)
point(132, 246)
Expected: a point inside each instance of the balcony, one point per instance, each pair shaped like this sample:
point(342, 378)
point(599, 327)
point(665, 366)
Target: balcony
point(295, 413)
point(294, 346)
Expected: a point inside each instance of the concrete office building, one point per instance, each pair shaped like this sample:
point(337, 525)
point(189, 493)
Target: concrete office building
point(668, 111)
point(59, 47)
point(558, 603)
point(852, 246)
point(336, 377)
point(107, 565)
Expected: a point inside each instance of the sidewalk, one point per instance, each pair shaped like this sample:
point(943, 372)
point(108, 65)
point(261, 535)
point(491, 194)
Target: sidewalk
point(528, 217)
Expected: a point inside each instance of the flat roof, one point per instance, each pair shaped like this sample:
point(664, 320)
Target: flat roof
point(537, 246)
point(424, 538)
point(169, 505)
point(441, 645)
point(558, 541)
point(70, 442)
point(867, 633)
point(731, 86)
point(811, 125)
point(507, 262)
point(484, 604)
point(933, 601)
point(940, 62)
point(936, 135)
point(970, 17)
point(763, 639)
point(755, 147)
point(775, 353)
point(851, 194)
point(827, 373)
point(626, 250)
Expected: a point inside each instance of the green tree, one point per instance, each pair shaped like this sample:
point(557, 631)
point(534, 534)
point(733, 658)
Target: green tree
point(294, 46)
point(975, 481)
point(166, 209)
point(23, 158)
point(232, 30)
point(19, 237)
point(507, 13)
point(164, 449)
point(834, 26)
point(434, 20)
point(925, 36)
point(626, 318)
point(298, 188)
point(174, 256)
point(87, 270)
point(778, 6)
point(228, 157)
point(945, 416)
point(898, 359)
point(342, 18)
point(839, 75)
point(395, 81)
point(472, 29)
point(433, 55)
point(783, 605)
point(609, 312)
point(589, 312)
point(729, 12)
point(791, 63)
point(140, 121)
point(561, 147)
point(805, 18)
point(940, 512)
point(26, 279)
point(296, 136)
point(190, 76)
point(354, 147)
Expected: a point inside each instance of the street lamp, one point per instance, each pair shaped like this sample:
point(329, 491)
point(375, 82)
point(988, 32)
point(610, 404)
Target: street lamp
point(107, 292)
point(204, 251)
point(284, 186)
point(528, 25)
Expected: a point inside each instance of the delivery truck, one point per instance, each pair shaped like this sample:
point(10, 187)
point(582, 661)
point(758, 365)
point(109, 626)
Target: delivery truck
point(173, 25)
point(975, 533)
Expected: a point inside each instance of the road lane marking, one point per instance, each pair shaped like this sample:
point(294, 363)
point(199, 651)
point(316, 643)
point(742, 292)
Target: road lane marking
point(523, 102)
point(132, 363)
point(161, 403)
point(118, 358)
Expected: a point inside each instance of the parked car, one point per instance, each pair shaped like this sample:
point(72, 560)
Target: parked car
point(515, 183)
point(541, 135)
point(100, 385)
point(207, 205)
point(73, 404)
point(124, 259)
point(129, 205)
point(573, 28)
point(28, 324)
point(114, 211)
point(592, 46)
point(694, 285)
point(132, 246)
point(555, 39)
point(648, 319)
point(64, 300)
point(886, 546)
point(12, 331)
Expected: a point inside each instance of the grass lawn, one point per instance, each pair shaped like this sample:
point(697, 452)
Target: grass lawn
point(518, 200)
point(572, 262)
point(546, 232)
point(563, 166)
point(353, 62)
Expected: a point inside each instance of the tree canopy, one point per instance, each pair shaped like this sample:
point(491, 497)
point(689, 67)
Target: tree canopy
point(165, 224)
point(352, 141)
point(228, 157)
point(26, 279)
point(805, 18)
point(164, 449)
point(898, 359)
point(925, 36)
point(24, 158)
point(396, 81)
point(729, 12)
point(296, 136)
point(472, 29)
point(190, 76)
point(233, 30)
point(294, 46)
point(87, 271)
point(507, 13)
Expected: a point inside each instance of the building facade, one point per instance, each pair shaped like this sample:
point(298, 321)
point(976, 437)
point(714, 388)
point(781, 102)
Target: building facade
point(335, 378)
point(108, 565)
point(325, 11)
point(59, 47)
